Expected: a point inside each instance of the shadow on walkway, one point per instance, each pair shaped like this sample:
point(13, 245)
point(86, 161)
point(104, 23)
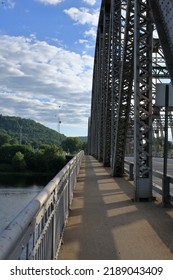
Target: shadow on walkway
point(104, 223)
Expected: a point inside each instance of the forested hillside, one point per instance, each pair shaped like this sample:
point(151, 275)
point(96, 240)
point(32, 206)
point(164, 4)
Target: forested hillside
point(27, 131)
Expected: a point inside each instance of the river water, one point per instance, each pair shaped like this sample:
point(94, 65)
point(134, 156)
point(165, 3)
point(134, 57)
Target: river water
point(15, 193)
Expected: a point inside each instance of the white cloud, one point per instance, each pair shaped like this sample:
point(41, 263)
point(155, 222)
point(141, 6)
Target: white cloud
point(37, 77)
point(50, 2)
point(82, 41)
point(83, 15)
point(90, 2)
point(8, 4)
point(91, 32)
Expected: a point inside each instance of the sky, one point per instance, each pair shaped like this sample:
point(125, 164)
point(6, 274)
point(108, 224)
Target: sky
point(46, 61)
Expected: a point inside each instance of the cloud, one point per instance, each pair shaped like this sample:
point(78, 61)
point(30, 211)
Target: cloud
point(8, 4)
point(90, 2)
point(37, 77)
point(83, 15)
point(91, 32)
point(50, 2)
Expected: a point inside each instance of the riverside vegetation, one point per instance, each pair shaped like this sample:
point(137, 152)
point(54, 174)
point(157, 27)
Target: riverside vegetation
point(34, 156)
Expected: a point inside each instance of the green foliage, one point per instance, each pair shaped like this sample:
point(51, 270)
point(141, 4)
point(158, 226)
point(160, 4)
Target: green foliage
point(170, 145)
point(29, 132)
point(7, 152)
point(40, 148)
point(158, 145)
point(84, 146)
point(83, 139)
point(6, 139)
point(72, 145)
point(47, 159)
point(5, 167)
point(18, 162)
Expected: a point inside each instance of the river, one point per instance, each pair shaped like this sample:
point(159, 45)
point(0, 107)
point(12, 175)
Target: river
point(16, 192)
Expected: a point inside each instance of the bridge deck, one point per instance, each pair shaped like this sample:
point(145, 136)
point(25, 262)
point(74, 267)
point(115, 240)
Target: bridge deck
point(104, 222)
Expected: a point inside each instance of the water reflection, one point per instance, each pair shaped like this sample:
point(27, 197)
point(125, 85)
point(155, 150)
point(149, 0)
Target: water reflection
point(16, 191)
point(18, 181)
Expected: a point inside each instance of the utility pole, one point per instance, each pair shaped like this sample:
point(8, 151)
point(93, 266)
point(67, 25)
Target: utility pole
point(58, 120)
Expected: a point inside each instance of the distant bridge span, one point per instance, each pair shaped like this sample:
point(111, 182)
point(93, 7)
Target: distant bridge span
point(134, 52)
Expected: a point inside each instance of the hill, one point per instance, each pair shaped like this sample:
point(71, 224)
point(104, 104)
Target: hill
point(83, 138)
point(27, 131)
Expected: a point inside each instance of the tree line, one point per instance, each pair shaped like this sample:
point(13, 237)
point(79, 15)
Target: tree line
point(15, 157)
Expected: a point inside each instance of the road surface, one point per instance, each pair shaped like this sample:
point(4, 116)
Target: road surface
point(158, 166)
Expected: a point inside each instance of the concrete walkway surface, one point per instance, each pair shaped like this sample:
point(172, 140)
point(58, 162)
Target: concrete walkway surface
point(105, 224)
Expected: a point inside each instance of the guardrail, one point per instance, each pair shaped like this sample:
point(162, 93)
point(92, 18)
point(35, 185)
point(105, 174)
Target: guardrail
point(163, 190)
point(36, 232)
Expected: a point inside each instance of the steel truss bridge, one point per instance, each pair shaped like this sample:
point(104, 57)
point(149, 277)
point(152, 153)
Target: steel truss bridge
point(134, 52)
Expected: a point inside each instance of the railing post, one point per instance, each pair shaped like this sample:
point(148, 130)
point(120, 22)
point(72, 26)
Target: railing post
point(131, 177)
point(54, 232)
point(166, 191)
point(69, 188)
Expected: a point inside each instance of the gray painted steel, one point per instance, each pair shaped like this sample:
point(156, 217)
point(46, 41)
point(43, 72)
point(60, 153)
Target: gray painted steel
point(129, 61)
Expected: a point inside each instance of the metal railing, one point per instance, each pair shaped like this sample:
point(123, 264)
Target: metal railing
point(36, 232)
point(163, 190)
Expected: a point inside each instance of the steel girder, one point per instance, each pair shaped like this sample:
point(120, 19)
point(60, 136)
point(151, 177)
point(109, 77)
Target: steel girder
point(159, 74)
point(120, 73)
point(163, 16)
point(98, 121)
point(99, 86)
point(125, 92)
point(143, 100)
point(117, 31)
point(159, 68)
point(96, 103)
point(106, 71)
point(114, 62)
point(107, 66)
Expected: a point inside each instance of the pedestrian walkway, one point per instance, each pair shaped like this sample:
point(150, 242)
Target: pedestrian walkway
point(104, 222)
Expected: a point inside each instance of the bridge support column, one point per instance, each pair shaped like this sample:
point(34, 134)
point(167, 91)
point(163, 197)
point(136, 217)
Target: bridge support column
point(143, 100)
point(125, 92)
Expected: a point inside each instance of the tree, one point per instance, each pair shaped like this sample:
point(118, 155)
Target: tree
point(49, 159)
point(29, 131)
point(71, 144)
point(18, 162)
point(53, 159)
point(4, 139)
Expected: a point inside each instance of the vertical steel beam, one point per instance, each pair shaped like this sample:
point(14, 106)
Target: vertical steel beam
point(125, 92)
point(100, 92)
point(143, 100)
point(116, 34)
point(96, 120)
point(100, 109)
point(106, 85)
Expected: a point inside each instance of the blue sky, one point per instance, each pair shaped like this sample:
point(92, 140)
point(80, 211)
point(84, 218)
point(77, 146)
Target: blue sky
point(46, 61)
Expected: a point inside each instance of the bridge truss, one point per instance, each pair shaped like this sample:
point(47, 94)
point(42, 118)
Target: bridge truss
point(134, 51)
